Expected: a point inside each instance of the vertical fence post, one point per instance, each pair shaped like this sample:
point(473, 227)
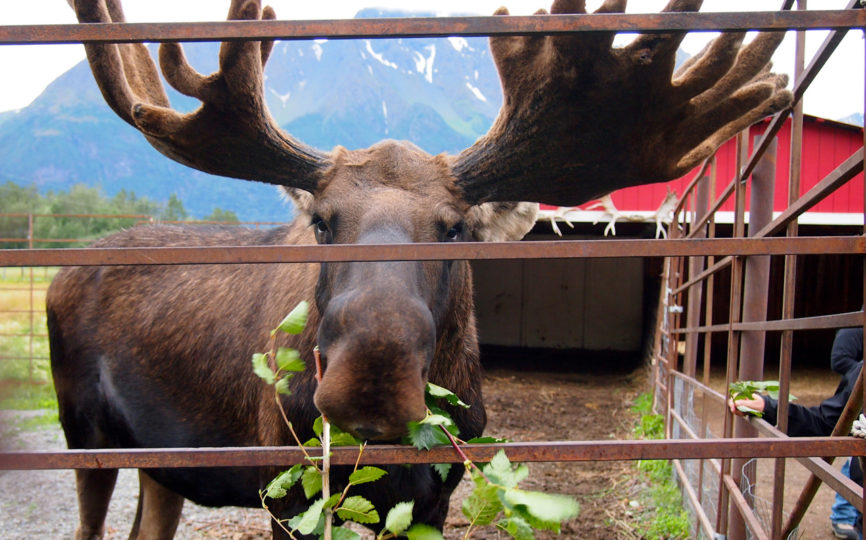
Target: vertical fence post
point(736, 523)
point(790, 279)
point(695, 293)
point(32, 307)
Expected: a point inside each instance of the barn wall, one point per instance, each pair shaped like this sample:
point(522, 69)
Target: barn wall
point(589, 304)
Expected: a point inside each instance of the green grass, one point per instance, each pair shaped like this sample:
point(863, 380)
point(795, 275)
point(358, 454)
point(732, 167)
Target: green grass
point(669, 519)
point(25, 374)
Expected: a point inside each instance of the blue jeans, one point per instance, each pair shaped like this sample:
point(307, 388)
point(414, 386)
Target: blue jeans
point(843, 511)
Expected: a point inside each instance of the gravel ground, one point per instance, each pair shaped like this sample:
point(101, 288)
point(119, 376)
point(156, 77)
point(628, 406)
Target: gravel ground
point(44, 504)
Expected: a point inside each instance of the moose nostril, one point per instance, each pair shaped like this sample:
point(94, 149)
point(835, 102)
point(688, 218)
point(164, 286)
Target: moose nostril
point(366, 432)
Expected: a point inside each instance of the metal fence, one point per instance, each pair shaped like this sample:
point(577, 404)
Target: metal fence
point(678, 394)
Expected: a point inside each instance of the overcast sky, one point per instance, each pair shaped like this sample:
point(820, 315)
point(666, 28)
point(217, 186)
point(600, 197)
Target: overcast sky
point(837, 92)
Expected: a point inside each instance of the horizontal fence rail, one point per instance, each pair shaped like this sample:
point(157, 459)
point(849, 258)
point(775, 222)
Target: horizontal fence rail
point(429, 27)
point(560, 249)
point(560, 451)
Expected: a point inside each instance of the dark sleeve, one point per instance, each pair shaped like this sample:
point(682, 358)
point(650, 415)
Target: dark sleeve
point(818, 420)
point(847, 350)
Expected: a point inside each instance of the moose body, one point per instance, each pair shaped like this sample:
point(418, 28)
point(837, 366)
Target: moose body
point(128, 374)
point(160, 355)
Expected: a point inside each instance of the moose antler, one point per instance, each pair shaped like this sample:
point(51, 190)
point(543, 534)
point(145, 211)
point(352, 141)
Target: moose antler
point(232, 133)
point(581, 118)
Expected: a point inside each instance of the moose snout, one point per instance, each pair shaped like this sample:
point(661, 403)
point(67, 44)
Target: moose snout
point(368, 407)
point(375, 366)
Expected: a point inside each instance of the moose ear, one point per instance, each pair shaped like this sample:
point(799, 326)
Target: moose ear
point(303, 200)
point(501, 221)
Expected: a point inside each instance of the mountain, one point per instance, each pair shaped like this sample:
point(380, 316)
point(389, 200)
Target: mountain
point(440, 93)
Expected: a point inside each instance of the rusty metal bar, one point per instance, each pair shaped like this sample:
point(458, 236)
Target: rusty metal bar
point(560, 249)
point(821, 472)
point(847, 170)
point(717, 204)
point(711, 262)
point(833, 181)
point(684, 425)
point(560, 451)
point(428, 27)
point(789, 284)
point(744, 509)
point(713, 268)
point(693, 497)
point(696, 266)
point(818, 322)
point(740, 428)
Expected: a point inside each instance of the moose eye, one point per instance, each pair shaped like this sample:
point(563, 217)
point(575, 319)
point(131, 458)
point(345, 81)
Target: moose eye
point(454, 233)
point(320, 228)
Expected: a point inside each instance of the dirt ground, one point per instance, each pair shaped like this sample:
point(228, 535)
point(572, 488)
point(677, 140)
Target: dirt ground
point(522, 406)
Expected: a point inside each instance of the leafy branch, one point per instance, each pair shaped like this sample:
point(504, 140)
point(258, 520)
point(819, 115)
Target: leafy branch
point(495, 499)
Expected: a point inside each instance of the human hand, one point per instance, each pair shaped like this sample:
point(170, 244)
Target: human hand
point(858, 429)
point(755, 404)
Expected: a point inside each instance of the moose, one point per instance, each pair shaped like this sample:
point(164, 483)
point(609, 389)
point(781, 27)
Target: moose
point(159, 356)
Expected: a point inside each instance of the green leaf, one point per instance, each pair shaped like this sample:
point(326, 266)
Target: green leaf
point(442, 469)
point(500, 471)
point(262, 369)
point(400, 517)
point(318, 426)
point(517, 527)
point(439, 392)
point(342, 438)
point(420, 531)
point(437, 420)
point(483, 504)
point(425, 436)
point(342, 533)
point(747, 389)
point(542, 510)
point(312, 481)
point(312, 443)
point(309, 520)
point(359, 510)
point(366, 474)
point(282, 386)
point(279, 486)
point(749, 410)
point(290, 360)
point(486, 440)
point(296, 320)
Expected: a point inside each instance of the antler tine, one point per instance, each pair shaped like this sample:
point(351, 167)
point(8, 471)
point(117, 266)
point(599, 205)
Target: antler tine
point(701, 71)
point(749, 62)
point(125, 73)
point(232, 133)
point(581, 119)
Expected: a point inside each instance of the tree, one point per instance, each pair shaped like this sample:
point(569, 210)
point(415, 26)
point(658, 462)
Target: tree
point(219, 214)
point(174, 210)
